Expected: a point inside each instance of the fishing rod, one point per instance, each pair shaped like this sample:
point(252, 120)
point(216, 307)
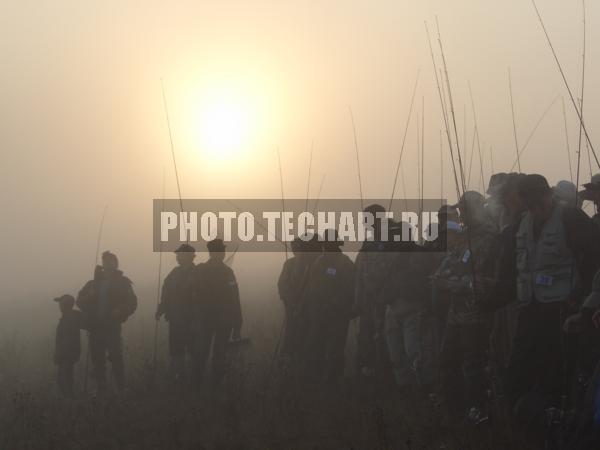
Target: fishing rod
point(471, 157)
point(539, 122)
point(412, 101)
point(440, 88)
point(466, 207)
point(478, 139)
point(282, 197)
point(318, 194)
point(514, 122)
point(230, 258)
point(312, 146)
point(98, 240)
point(583, 90)
point(419, 163)
point(360, 189)
point(451, 104)
point(422, 156)
point(567, 139)
point(441, 166)
point(164, 96)
point(562, 73)
point(158, 286)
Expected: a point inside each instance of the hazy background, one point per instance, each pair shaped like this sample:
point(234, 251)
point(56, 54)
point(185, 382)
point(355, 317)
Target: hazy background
point(82, 121)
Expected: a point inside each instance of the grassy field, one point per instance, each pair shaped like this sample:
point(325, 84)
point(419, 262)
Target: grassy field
point(256, 408)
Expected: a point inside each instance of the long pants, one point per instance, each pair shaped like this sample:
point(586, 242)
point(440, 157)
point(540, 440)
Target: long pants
point(65, 379)
point(365, 345)
point(431, 339)
point(324, 352)
point(503, 333)
point(294, 332)
point(180, 344)
point(371, 348)
point(106, 341)
point(215, 334)
point(463, 362)
point(536, 360)
point(403, 339)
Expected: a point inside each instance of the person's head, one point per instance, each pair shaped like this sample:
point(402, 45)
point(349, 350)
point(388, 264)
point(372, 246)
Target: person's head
point(496, 183)
point(331, 242)
point(471, 207)
point(536, 195)
point(510, 194)
point(65, 302)
point(309, 244)
point(591, 190)
point(110, 262)
point(185, 255)
point(296, 246)
point(565, 193)
point(216, 249)
point(376, 210)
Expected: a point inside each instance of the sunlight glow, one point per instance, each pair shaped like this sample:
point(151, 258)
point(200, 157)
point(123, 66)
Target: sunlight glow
point(228, 120)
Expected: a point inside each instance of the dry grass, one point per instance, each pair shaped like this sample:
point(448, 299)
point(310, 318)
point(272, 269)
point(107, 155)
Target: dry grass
point(256, 408)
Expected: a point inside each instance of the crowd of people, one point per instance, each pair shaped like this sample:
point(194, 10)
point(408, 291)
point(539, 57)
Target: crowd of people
point(499, 313)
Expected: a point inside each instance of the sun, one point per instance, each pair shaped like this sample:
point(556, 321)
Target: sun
point(226, 122)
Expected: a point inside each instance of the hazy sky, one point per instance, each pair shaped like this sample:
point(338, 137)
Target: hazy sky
point(82, 121)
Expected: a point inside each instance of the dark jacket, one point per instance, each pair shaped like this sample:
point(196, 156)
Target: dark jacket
point(177, 295)
point(330, 286)
point(293, 278)
point(407, 286)
point(121, 300)
point(67, 348)
point(217, 295)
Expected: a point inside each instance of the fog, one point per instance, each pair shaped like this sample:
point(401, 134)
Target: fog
point(83, 126)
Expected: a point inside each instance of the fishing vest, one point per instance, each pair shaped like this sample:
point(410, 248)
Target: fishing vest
point(546, 269)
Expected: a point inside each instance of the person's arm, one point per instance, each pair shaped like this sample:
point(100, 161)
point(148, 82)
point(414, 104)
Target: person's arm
point(85, 296)
point(128, 303)
point(165, 295)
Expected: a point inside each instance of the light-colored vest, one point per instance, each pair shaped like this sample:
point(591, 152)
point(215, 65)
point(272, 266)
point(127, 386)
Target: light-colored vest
point(546, 269)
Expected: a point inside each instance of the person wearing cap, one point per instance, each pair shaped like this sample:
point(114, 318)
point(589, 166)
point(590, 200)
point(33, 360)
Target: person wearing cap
point(591, 192)
point(556, 256)
point(565, 194)
point(67, 349)
point(291, 286)
point(373, 267)
point(176, 304)
point(218, 313)
point(466, 280)
point(107, 301)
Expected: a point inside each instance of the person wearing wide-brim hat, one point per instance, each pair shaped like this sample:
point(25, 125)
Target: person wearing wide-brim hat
point(176, 304)
point(218, 314)
point(591, 192)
